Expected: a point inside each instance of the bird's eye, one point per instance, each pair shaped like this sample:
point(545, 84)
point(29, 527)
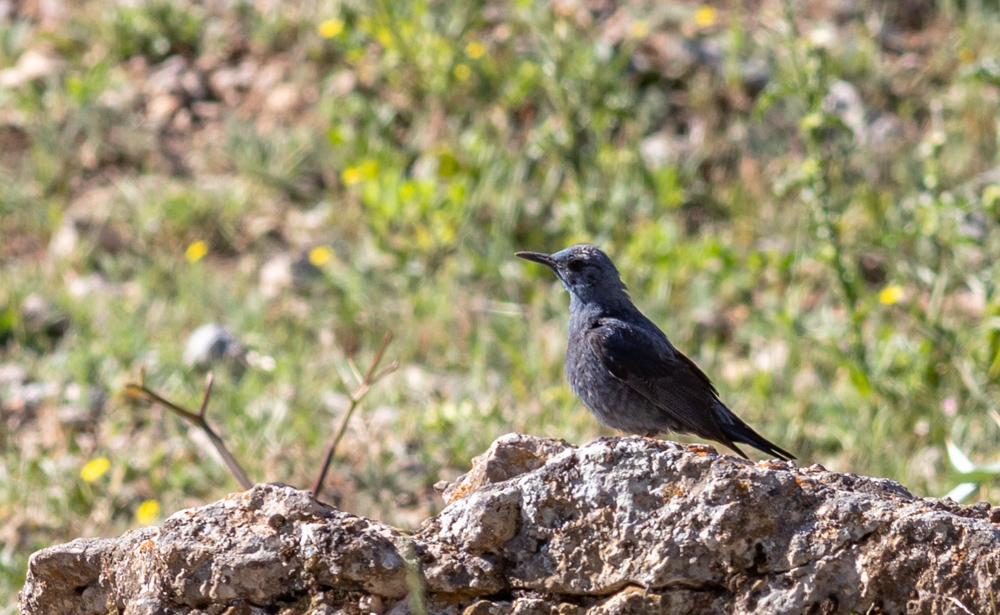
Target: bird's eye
point(575, 265)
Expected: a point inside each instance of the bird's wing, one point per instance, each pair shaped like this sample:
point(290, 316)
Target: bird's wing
point(656, 370)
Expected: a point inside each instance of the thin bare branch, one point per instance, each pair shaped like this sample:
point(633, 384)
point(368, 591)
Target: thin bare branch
point(358, 378)
point(385, 372)
point(150, 395)
point(208, 393)
point(197, 420)
point(365, 383)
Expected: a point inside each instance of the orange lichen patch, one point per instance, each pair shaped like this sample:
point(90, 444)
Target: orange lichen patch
point(772, 463)
point(740, 486)
point(146, 546)
point(670, 491)
point(802, 481)
point(702, 449)
point(463, 489)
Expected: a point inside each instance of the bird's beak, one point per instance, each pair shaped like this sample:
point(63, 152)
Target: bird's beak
point(537, 257)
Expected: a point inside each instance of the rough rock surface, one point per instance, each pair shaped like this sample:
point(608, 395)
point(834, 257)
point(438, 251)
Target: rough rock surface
point(621, 525)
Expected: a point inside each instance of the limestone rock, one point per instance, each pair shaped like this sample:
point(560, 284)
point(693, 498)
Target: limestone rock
point(621, 525)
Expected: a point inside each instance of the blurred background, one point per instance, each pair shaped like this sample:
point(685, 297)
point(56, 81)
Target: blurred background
point(804, 195)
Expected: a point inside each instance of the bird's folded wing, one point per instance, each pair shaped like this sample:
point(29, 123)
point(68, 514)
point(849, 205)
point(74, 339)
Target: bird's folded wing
point(653, 368)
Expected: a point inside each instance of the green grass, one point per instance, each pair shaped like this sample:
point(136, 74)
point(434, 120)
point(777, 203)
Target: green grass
point(834, 271)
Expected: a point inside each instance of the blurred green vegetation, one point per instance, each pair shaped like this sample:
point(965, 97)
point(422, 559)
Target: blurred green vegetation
point(807, 202)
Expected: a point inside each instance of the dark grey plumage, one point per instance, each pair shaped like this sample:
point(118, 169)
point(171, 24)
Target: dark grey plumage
point(626, 370)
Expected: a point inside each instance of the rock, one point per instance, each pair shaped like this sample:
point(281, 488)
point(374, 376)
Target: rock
point(282, 99)
point(276, 275)
point(656, 150)
point(160, 108)
point(12, 374)
point(32, 65)
point(38, 317)
point(166, 79)
point(511, 455)
point(65, 239)
point(228, 84)
point(194, 85)
point(211, 343)
point(844, 101)
point(755, 75)
point(342, 83)
point(34, 311)
point(621, 525)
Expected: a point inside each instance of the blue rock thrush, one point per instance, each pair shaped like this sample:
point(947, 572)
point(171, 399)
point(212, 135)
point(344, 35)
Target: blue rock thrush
point(626, 370)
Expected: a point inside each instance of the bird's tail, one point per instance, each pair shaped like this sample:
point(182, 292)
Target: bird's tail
point(736, 430)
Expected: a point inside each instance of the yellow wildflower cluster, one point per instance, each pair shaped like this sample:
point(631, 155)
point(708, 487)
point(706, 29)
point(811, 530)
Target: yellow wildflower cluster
point(95, 469)
point(475, 50)
point(705, 16)
point(330, 28)
point(366, 169)
point(196, 251)
point(148, 512)
point(890, 294)
point(320, 256)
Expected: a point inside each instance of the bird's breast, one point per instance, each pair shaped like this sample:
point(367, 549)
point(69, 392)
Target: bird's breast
point(589, 378)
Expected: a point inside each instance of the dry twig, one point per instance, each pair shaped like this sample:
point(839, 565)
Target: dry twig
point(198, 420)
point(364, 384)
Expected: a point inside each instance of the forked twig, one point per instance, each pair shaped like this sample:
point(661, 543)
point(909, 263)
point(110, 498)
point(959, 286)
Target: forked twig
point(198, 420)
point(364, 384)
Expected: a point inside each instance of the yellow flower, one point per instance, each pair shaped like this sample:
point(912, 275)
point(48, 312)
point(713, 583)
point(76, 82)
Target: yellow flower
point(95, 469)
point(810, 167)
point(368, 168)
point(320, 256)
point(407, 191)
point(811, 121)
point(462, 72)
point(991, 195)
point(475, 50)
point(148, 512)
point(196, 251)
point(890, 294)
point(705, 16)
point(330, 28)
point(640, 29)
point(351, 176)
point(966, 55)
point(354, 56)
point(385, 38)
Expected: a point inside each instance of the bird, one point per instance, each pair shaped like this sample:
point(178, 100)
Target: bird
point(626, 371)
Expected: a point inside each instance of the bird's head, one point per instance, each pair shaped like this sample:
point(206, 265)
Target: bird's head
point(586, 272)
